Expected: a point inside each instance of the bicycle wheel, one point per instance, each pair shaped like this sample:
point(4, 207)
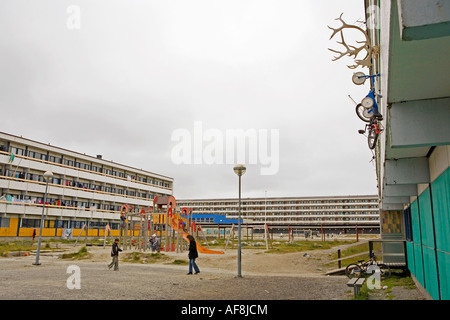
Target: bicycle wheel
point(385, 271)
point(353, 270)
point(363, 113)
point(372, 138)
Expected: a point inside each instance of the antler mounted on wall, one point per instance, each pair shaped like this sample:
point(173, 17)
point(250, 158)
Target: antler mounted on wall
point(353, 50)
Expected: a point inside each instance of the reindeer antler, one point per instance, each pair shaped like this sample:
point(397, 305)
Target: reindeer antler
point(352, 50)
point(342, 54)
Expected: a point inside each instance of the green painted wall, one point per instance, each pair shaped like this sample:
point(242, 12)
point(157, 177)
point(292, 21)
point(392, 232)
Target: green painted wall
point(429, 251)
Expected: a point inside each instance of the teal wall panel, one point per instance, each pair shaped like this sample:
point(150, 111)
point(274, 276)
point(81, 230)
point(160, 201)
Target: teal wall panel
point(428, 248)
point(418, 264)
point(444, 274)
point(415, 221)
point(410, 255)
point(426, 219)
point(430, 274)
point(440, 190)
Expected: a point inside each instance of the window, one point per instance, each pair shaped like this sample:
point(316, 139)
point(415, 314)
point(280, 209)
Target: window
point(49, 224)
point(61, 224)
point(114, 226)
point(82, 165)
point(36, 155)
point(54, 159)
point(77, 224)
point(30, 223)
point(408, 225)
point(17, 151)
point(4, 222)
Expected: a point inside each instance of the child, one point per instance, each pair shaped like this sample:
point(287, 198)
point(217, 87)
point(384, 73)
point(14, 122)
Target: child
point(155, 243)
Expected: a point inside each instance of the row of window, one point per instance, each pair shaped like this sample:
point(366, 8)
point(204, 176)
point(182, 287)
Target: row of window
point(79, 184)
point(346, 218)
point(334, 213)
point(311, 211)
point(204, 220)
point(88, 205)
point(283, 209)
point(248, 203)
point(67, 224)
point(86, 166)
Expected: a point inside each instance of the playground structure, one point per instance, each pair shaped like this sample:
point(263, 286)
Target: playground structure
point(163, 220)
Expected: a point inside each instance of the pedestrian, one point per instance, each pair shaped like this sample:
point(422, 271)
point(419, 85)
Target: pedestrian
point(193, 254)
point(155, 243)
point(34, 233)
point(115, 255)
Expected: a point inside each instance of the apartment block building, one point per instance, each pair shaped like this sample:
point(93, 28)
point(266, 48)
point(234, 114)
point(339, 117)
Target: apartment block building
point(84, 189)
point(334, 214)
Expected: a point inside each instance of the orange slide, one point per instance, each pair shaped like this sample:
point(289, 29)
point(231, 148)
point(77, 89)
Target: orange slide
point(200, 248)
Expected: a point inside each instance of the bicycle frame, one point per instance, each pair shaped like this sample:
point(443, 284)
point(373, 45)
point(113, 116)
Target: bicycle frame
point(371, 95)
point(368, 106)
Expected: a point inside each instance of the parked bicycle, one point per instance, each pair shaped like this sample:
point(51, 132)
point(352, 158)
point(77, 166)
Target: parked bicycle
point(357, 270)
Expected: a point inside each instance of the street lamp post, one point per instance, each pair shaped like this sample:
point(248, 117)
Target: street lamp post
point(239, 170)
point(47, 176)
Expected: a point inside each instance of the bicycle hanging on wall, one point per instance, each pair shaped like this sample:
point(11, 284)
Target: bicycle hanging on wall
point(368, 106)
point(367, 110)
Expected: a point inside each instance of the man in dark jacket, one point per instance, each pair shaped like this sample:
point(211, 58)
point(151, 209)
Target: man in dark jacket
point(193, 254)
point(115, 255)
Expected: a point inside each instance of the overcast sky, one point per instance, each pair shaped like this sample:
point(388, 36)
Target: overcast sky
point(120, 78)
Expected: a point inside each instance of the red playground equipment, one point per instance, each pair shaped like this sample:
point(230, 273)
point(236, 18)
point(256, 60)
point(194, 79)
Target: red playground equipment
point(163, 220)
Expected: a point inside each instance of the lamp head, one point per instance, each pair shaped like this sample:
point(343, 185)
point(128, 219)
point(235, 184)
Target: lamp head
point(48, 175)
point(239, 169)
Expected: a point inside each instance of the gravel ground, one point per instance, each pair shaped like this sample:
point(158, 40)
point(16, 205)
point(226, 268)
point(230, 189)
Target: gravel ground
point(19, 279)
point(265, 277)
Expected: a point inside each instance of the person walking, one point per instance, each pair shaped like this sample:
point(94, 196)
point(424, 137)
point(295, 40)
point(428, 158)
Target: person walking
point(193, 254)
point(115, 255)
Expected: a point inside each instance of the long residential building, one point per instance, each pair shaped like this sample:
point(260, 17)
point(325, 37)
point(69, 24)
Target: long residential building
point(331, 213)
point(84, 189)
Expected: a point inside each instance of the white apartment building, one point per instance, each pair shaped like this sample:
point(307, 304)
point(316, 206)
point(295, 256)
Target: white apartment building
point(334, 213)
point(83, 189)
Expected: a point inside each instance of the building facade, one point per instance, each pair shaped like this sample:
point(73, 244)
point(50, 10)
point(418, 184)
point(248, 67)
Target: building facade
point(333, 214)
point(84, 189)
point(412, 38)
